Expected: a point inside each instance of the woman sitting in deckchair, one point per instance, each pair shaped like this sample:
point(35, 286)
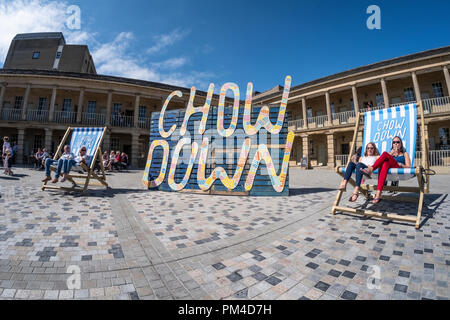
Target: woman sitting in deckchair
point(371, 155)
point(69, 163)
point(397, 158)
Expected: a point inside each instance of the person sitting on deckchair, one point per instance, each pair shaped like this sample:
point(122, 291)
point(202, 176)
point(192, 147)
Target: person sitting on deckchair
point(397, 158)
point(67, 155)
point(371, 155)
point(69, 163)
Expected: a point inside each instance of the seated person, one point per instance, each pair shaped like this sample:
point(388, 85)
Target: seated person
point(371, 154)
point(69, 163)
point(67, 155)
point(42, 159)
point(112, 157)
point(397, 158)
point(105, 159)
point(116, 161)
point(37, 158)
point(123, 160)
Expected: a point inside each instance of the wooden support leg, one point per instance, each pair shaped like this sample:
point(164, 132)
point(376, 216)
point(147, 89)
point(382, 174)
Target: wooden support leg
point(336, 202)
point(86, 184)
point(421, 199)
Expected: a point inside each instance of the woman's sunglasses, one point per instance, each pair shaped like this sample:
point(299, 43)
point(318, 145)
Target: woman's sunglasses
point(396, 142)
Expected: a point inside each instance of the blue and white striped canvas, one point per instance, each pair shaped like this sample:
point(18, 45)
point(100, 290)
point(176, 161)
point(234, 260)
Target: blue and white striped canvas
point(86, 137)
point(381, 126)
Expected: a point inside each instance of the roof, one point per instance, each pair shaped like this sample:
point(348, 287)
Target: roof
point(384, 63)
point(39, 35)
point(98, 77)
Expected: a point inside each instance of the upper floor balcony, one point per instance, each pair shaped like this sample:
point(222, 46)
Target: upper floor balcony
point(71, 118)
point(430, 107)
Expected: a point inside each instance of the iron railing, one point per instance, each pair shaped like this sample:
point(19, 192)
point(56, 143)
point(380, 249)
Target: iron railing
point(93, 119)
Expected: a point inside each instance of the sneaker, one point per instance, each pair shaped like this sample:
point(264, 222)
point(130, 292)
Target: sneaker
point(46, 179)
point(55, 180)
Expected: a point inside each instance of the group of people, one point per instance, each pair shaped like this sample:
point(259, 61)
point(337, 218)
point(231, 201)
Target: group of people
point(39, 158)
point(371, 161)
point(65, 164)
point(115, 160)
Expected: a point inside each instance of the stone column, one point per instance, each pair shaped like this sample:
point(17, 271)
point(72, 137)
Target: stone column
point(48, 139)
point(385, 93)
point(305, 145)
point(2, 96)
point(20, 145)
point(447, 79)
point(51, 110)
point(330, 145)
point(136, 110)
point(355, 99)
point(359, 141)
point(80, 105)
point(135, 150)
point(106, 144)
point(25, 102)
point(327, 99)
point(416, 86)
point(109, 108)
point(305, 119)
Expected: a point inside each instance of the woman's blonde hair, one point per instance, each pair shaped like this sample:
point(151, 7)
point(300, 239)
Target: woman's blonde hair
point(375, 149)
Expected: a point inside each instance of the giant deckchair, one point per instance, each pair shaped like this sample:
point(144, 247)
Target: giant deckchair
point(380, 127)
point(91, 138)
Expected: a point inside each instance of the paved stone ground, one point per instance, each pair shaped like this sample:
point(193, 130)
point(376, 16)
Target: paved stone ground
point(130, 243)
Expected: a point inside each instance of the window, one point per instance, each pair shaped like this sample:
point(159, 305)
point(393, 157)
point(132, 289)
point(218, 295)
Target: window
point(438, 91)
point(117, 108)
point(444, 137)
point(36, 55)
point(115, 144)
point(309, 112)
point(333, 109)
point(345, 147)
point(142, 112)
point(18, 103)
point(92, 107)
point(380, 99)
point(352, 105)
point(67, 104)
point(58, 55)
point(409, 94)
point(42, 104)
point(37, 142)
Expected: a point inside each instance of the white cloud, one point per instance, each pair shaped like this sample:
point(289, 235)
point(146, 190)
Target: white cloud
point(111, 58)
point(24, 16)
point(172, 63)
point(166, 40)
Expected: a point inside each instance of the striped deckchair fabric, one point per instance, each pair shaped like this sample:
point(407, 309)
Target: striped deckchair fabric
point(380, 127)
point(91, 139)
point(86, 137)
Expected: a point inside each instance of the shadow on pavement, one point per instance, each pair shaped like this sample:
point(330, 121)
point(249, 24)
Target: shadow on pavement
point(302, 191)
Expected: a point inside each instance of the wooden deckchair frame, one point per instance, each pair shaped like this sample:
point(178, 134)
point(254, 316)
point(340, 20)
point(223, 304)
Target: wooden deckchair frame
point(422, 173)
point(90, 174)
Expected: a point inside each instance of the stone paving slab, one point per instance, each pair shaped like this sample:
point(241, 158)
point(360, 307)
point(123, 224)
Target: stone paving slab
point(129, 243)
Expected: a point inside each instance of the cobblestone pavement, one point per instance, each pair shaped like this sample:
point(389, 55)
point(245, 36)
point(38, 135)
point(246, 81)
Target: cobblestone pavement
point(130, 243)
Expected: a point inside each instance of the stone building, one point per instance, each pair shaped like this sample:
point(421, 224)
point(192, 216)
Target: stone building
point(41, 96)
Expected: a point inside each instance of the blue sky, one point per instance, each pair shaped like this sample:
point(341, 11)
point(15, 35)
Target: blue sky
point(197, 42)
